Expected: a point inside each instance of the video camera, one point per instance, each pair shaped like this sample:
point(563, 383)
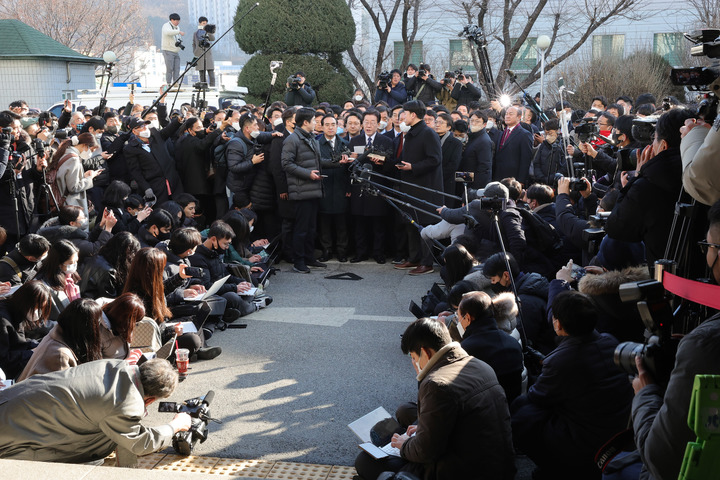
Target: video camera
point(294, 82)
point(643, 129)
point(493, 204)
point(658, 351)
point(587, 129)
point(384, 80)
point(199, 409)
point(702, 79)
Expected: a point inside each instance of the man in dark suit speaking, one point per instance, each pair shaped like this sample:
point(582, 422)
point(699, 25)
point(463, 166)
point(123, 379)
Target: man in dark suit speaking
point(514, 149)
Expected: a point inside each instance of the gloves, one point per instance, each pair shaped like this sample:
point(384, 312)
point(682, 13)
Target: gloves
point(149, 193)
point(5, 139)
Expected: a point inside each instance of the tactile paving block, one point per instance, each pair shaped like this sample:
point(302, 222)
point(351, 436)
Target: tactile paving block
point(146, 462)
point(190, 464)
point(298, 471)
point(243, 468)
point(341, 473)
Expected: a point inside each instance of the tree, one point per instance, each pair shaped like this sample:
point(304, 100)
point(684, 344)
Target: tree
point(706, 13)
point(296, 33)
point(508, 31)
point(383, 14)
point(89, 27)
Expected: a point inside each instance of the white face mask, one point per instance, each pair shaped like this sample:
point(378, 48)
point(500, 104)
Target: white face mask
point(255, 133)
point(72, 268)
point(37, 315)
point(277, 121)
point(85, 154)
point(252, 227)
point(144, 134)
point(475, 128)
point(358, 98)
point(404, 127)
point(490, 124)
point(98, 136)
point(236, 126)
point(218, 123)
point(155, 124)
point(382, 126)
point(460, 328)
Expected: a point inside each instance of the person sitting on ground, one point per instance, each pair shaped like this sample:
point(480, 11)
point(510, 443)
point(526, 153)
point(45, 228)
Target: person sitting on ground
point(156, 228)
point(59, 272)
point(84, 413)
point(104, 274)
point(580, 400)
point(73, 341)
point(117, 323)
point(21, 264)
point(145, 279)
point(72, 223)
point(20, 314)
point(120, 201)
point(484, 340)
point(463, 424)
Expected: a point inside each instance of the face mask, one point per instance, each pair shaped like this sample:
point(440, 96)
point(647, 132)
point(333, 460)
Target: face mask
point(277, 122)
point(475, 128)
point(144, 134)
point(255, 134)
point(358, 98)
point(551, 139)
point(382, 126)
point(490, 124)
point(37, 315)
point(220, 250)
point(163, 236)
point(155, 124)
point(498, 288)
point(463, 139)
point(217, 124)
point(98, 136)
point(616, 137)
point(111, 130)
point(236, 126)
point(404, 127)
point(252, 227)
point(460, 328)
point(72, 268)
point(43, 257)
point(410, 76)
point(340, 130)
point(85, 154)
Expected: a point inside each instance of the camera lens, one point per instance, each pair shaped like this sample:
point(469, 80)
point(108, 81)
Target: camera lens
point(625, 355)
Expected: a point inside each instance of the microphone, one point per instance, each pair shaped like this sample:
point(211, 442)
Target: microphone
point(209, 396)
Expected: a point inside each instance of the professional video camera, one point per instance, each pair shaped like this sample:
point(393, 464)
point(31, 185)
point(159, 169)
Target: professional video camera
point(179, 43)
point(587, 129)
point(384, 80)
point(205, 42)
point(210, 28)
point(199, 409)
point(294, 82)
point(702, 79)
point(63, 133)
point(593, 236)
point(643, 128)
point(658, 351)
point(493, 204)
point(473, 33)
point(576, 183)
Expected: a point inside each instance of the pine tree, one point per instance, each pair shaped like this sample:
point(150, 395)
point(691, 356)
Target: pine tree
point(307, 36)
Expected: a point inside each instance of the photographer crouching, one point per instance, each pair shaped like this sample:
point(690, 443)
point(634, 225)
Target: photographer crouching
point(660, 417)
point(299, 92)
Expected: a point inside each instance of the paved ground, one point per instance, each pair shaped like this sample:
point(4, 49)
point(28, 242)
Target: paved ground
point(325, 353)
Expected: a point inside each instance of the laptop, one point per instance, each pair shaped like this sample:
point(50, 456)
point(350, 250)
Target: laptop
point(210, 292)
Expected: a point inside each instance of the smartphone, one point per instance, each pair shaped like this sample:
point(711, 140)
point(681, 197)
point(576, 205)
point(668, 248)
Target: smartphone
point(577, 272)
point(168, 407)
point(465, 177)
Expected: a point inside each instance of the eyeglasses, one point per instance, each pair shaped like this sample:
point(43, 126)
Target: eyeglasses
point(704, 246)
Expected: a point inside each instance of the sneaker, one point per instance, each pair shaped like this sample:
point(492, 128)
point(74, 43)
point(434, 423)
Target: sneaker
point(208, 353)
point(231, 314)
point(300, 268)
point(398, 260)
point(316, 264)
point(262, 302)
point(265, 283)
point(207, 333)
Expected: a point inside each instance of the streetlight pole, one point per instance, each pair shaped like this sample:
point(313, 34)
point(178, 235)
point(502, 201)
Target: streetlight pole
point(543, 42)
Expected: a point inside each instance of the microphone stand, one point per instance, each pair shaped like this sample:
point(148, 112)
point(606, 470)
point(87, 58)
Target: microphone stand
point(410, 184)
point(195, 60)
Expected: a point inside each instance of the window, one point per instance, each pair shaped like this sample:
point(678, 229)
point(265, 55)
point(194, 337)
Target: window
point(461, 56)
point(526, 58)
point(608, 46)
point(669, 46)
point(415, 56)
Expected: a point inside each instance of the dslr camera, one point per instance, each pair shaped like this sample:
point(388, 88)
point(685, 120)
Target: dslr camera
point(384, 80)
point(294, 82)
point(179, 43)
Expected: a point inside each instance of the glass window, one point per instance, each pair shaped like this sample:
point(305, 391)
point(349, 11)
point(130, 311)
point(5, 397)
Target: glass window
point(527, 56)
point(608, 46)
point(669, 46)
point(415, 56)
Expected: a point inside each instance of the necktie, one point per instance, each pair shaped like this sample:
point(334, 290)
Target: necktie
point(400, 145)
point(369, 144)
point(505, 136)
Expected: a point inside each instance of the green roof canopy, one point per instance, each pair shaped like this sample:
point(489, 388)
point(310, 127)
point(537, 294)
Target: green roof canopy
point(20, 41)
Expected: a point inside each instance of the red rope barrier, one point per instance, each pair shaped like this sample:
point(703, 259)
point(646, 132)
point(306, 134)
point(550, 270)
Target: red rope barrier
point(698, 292)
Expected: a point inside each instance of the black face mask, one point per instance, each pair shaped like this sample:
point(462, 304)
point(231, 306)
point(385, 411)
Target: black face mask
point(616, 137)
point(111, 130)
point(163, 236)
point(200, 134)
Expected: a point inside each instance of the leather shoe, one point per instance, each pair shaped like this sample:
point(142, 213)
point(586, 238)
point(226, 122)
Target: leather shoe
point(358, 259)
point(406, 266)
point(342, 259)
point(324, 257)
point(316, 264)
point(380, 259)
point(208, 353)
point(301, 268)
point(421, 270)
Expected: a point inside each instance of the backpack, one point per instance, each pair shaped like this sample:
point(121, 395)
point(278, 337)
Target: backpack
point(220, 153)
point(51, 180)
point(540, 233)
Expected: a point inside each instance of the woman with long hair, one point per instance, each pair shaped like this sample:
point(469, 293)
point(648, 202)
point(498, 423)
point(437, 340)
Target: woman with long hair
point(145, 279)
point(71, 179)
point(20, 314)
point(73, 341)
point(117, 324)
point(59, 272)
point(104, 275)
